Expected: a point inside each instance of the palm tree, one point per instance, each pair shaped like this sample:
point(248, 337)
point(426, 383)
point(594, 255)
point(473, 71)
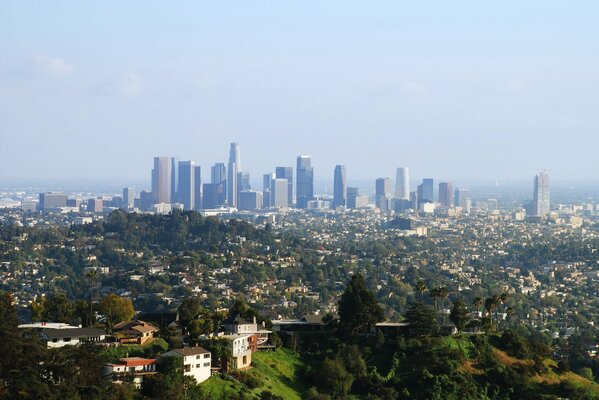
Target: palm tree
point(436, 294)
point(478, 303)
point(421, 287)
point(491, 304)
point(443, 295)
point(92, 276)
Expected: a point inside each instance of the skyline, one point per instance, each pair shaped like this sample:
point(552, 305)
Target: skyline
point(478, 91)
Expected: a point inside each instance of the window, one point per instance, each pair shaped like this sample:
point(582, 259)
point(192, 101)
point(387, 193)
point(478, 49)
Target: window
point(55, 340)
point(245, 360)
point(67, 339)
point(206, 364)
point(207, 355)
point(198, 357)
point(198, 365)
point(186, 368)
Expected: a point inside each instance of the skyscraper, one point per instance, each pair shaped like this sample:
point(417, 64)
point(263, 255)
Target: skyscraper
point(128, 198)
point(175, 180)
point(427, 191)
point(266, 195)
point(402, 183)
point(186, 182)
point(286, 173)
point(383, 193)
point(462, 199)
point(541, 200)
point(233, 168)
point(305, 181)
point(197, 188)
point(218, 173)
point(446, 194)
point(339, 187)
point(250, 200)
point(214, 195)
point(161, 180)
point(278, 193)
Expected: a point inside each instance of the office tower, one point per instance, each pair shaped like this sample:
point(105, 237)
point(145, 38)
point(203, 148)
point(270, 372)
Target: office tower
point(354, 200)
point(383, 193)
point(116, 202)
point(218, 173)
point(402, 183)
point(446, 194)
point(244, 180)
point(266, 195)
point(186, 182)
point(427, 191)
point(95, 205)
point(146, 200)
point(339, 187)
point(197, 188)
point(462, 199)
point(278, 193)
point(52, 201)
point(250, 200)
point(214, 195)
point(305, 181)
point(128, 198)
point(541, 199)
point(414, 202)
point(286, 173)
point(76, 203)
point(161, 180)
point(175, 180)
point(233, 168)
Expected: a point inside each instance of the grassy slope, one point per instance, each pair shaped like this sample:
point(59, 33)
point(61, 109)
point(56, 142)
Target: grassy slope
point(277, 370)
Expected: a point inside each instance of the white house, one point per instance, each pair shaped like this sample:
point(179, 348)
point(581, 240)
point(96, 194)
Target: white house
point(241, 351)
point(73, 336)
point(196, 362)
point(240, 326)
point(134, 367)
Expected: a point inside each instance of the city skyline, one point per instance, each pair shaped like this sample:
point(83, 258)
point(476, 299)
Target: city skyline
point(395, 84)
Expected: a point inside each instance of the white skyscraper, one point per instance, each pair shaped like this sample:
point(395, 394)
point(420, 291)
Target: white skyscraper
point(402, 184)
point(233, 168)
point(541, 201)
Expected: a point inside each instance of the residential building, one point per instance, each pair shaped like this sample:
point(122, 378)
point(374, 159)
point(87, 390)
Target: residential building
point(135, 332)
point(196, 362)
point(71, 337)
point(130, 369)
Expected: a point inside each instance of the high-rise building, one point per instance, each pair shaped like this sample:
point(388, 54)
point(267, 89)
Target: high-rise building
point(278, 193)
point(250, 200)
point(146, 200)
point(446, 194)
point(218, 173)
point(402, 183)
point(128, 198)
point(95, 205)
point(161, 180)
point(186, 182)
point(175, 180)
point(52, 201)
point(462, 199)
point(214, 195)
point(339, 187)
point(305, 181)
point(266, 192)
point(383, 193)
point(427, 191)
point(197, 188)
point(286, 173)
point(354, 200)
point(233, 168)
point(541, 199)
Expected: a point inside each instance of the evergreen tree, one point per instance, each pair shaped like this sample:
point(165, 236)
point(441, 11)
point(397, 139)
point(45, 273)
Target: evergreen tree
point(358, 309)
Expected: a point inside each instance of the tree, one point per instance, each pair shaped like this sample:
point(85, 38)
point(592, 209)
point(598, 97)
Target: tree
point(459, 314)
point(491, 304)
point(478, 303)
point(421, 287)
point(358, 309)
point(53, 308)
point(116, 309)
point(333, 378)
point(422, 320)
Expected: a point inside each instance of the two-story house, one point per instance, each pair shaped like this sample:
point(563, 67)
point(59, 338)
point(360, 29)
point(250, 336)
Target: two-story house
point(130, 368)
point(240, 326)
point(134, 332)
point(240, 349)
point(196, 362)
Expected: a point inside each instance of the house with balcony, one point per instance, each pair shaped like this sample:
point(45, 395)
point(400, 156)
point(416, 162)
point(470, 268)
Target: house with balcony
point(240, 326)
point(130, 369)
point(196, 362)
point(135, 332)
point(240, 350)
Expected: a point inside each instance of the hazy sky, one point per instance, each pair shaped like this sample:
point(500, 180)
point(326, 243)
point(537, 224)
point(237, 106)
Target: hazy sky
point(452, 89)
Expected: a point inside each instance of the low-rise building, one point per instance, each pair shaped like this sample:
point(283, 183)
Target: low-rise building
point(196, 362)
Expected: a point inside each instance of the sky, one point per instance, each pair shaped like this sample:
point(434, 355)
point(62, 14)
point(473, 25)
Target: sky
point(454, 90)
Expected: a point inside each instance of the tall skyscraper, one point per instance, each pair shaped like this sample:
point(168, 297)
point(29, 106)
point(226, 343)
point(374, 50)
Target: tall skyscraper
point(218, 173)
point(462, 199)
point(214, 195)
point(197, 188)
point(446, 194)
point(161, 180)
point(427, 191)
point(305, 181)
point(128, 198)
point(266, 195)
point(541, 199)
point(286, 173)
point(339, 187)
point(383, 193)
point(186, 182)
point(175, 180)
point(233, 168)
point(278, 193)
point(402, 183)
point(146, 199)
point(250, 200)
